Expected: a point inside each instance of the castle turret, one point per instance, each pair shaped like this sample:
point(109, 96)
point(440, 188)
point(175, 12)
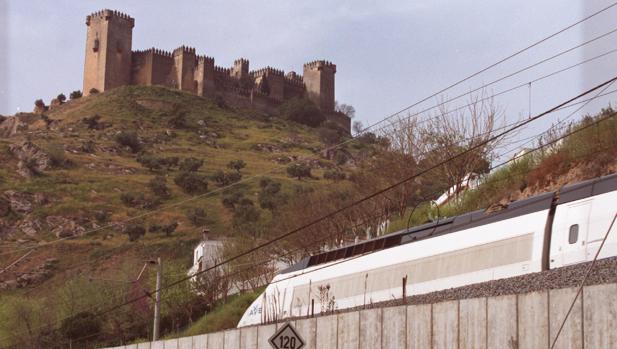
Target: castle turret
point(240, 69)
point(185, 63)
point(319, 80)
point(108, 50)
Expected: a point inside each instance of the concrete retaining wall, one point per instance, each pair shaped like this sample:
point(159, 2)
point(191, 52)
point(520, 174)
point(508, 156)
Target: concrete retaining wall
point(512, 322)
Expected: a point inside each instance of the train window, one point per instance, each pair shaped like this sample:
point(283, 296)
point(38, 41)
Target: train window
point(573, 236)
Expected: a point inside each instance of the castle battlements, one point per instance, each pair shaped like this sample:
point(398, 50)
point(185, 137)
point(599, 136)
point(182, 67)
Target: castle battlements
point(111, 31)
point(319, 64)
point(184, 49)
point(107, 14)
point(267, 71)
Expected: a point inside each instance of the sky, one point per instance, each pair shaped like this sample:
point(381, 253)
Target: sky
point(389, 54)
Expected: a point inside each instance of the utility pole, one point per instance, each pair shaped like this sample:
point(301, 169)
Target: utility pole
point(157, 304)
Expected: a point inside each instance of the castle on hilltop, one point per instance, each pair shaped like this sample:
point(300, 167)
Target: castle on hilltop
point(111, 62)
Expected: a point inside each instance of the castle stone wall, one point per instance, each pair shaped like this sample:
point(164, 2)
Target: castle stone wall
point(110, 62)
point(141, 73)
point(162, 69)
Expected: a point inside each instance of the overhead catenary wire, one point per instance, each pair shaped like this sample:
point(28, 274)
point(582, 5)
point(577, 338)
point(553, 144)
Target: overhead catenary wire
point(247, 179)
point(507, 58)
point(541, 146)
point(368, 197)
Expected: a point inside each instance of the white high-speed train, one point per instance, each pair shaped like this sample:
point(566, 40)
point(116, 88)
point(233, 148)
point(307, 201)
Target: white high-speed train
point(543, 232)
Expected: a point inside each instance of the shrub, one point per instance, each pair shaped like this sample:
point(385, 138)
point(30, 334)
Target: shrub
point(39, 104)
point(169, 228)
point(75, 95)
point(135, 232)
point(128, 139)
point(269, 197)
point(92, 122)
point(171, 162)
point(197, 216)
point(81, 326)
point(56, 155)
point(232, 199)
point(191, 183)
point(129, 199)
point(225, 178)
point(155, 228)
point(158, 185)
point(61, 98)
point(88, 146)
point(299, 171)
point(245, 213)
point(178, 121)
point(303, 111)
point(335, 175)
point(93, 91)
point(150, 161)
point(191, 164)
point(101, 216)
point(236, 165)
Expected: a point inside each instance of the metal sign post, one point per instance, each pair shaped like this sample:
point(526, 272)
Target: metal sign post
point(286, 337)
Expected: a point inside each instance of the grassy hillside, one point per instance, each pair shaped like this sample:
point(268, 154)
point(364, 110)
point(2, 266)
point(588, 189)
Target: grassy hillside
point(97, 179)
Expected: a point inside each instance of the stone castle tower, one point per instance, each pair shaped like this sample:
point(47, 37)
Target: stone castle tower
point(108, 50)
point(110, 62)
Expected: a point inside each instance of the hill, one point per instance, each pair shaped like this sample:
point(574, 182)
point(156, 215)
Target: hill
point(81, 171)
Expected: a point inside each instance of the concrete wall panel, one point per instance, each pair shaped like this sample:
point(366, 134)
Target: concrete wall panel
point(248, 338)
point(472, 323)
point(326, 332)
point(600, 316)
point(185, 343)
point(263, 334)
point(502, 322)
point(216, 340)
point(394, 327)
point(349, 330)
point(370, 329)
point(445, 325)
point(232, 339)
point(171, 343)
point(145, 345)
point(559, 301)
point(200, 342)
point(419, 318)
point(157, 345)
point(533, 320)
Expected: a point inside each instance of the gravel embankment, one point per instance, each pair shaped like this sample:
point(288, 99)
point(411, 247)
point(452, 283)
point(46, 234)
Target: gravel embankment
point(605, 271)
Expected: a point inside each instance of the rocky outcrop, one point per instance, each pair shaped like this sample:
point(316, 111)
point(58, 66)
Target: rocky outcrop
point(19, 202)
point(30, 227)
point(32, 160)
point(39, 274)
point(64, 227)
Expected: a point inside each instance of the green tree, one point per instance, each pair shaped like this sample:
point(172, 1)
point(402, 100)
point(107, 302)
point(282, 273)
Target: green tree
point(191, 183)
point(191, 164)
point(128, 139)
point(236, 165)
point(158, 185)
point(299, 171)
point(81, 327)
point(135, 231)
point(75, 95)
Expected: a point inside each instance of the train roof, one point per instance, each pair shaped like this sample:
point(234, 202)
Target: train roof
point(468, 220)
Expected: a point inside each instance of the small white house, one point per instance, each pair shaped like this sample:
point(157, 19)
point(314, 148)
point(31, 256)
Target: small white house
point(206, 254)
